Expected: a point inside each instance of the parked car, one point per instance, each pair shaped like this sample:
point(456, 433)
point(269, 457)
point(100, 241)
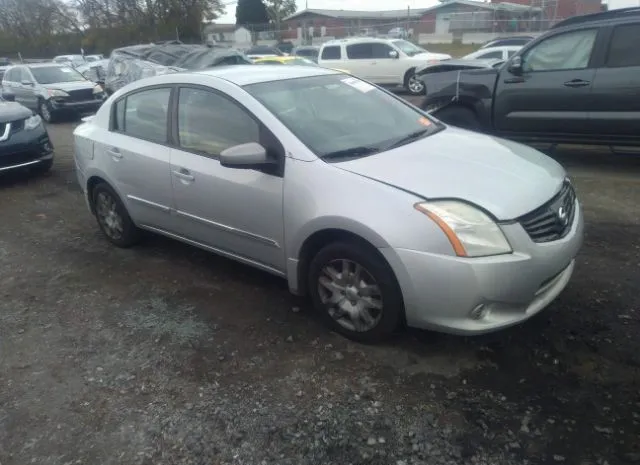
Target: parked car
point(577, 83)
point(288, 60)
point(69, 60)
point(398, 33)
point(24, 141)
point(261, 51)
point(285, 47)
point(52, 90)
point(390, 63)
point(409, 213)
point(94, 71)
point(4, 61)
point(508, 41)
point(90, 58)
point(503, 52)
point(307, 51)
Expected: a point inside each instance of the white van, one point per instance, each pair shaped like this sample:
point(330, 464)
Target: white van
point(386, 62)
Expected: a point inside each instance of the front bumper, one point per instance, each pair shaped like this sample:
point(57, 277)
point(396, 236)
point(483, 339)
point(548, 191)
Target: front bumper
point(25, 149)
point(470, 296)
point(81, 108)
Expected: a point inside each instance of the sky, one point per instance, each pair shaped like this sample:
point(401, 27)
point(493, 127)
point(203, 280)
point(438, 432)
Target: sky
point(230, 16)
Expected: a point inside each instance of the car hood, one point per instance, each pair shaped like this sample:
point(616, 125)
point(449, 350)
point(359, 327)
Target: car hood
point(430, 56)
point(67, 86)
point(455, 65)
point(13, 111)
point(505, 178)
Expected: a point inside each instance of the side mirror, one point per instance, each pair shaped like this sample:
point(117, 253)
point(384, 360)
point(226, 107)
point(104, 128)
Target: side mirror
point(8, 97)
point(248, 156)
point(393, 54)
point(27, 83)
point(515, 66)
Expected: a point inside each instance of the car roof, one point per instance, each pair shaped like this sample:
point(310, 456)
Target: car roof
point(243, 75)
point(44, 65)
point(358, 40)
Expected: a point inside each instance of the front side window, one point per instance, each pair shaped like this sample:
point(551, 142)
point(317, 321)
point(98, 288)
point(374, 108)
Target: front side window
point(408, 48)
point(334, 114)
point(571, 50)
point(379, 50)
point(54, 74)
point(622, 49)
point(145, 115)
point(209, 123)
point(360, 51)
point(510, 53)
point(331, 53)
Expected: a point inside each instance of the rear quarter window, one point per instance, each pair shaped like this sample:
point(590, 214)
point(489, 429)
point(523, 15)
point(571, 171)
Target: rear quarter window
point(331, 53)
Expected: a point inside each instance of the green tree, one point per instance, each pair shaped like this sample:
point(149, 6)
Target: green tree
point(278, 10)
point(251, 12)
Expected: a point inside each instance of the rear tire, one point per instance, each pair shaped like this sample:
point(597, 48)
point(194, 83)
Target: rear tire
point(112, 216)
point(459, 116)
point(355, 292)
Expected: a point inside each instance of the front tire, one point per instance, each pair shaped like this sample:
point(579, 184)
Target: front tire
point(355, 292)
point(112, 216)
point(413, 84)
point(45, 111)
point(459, 116)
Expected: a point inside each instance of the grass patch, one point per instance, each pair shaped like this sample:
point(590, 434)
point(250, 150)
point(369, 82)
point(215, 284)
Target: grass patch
point(456, 50)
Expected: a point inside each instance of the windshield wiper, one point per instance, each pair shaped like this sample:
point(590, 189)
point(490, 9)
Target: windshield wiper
point(408, 138)
point(352, 152)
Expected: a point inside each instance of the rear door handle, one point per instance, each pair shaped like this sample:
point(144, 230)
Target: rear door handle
point(577, 83)
point(184, 175)
point(115, 153)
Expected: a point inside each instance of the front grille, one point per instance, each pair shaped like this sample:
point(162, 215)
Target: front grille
point(81, 95)
point(553, 220)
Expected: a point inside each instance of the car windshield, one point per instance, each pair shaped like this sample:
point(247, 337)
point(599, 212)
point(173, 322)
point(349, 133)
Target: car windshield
point(342, 117)
point(408, 48)
point(54, 74)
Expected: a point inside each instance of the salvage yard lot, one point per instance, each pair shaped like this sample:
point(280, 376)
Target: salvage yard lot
point(164, 354)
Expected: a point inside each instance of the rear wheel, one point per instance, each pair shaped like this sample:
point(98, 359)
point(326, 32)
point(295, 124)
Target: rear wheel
point(459, 116)
point(113, 218)
point(355, 292)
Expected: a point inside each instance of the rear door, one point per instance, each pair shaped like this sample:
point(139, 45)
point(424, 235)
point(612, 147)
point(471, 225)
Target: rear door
point(551, 95)
point(615, 97)
point(135, 155)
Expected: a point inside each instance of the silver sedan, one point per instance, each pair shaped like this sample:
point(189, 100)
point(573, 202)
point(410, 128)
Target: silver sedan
point(381, 214)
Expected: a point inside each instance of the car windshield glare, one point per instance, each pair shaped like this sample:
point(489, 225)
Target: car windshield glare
point(335, 115)
point(55, 74)
point(408, 48)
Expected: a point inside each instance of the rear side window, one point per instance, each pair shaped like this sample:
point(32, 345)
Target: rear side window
point(360, 51)
point(331, 53)
point(144, 115)
point(623, 50)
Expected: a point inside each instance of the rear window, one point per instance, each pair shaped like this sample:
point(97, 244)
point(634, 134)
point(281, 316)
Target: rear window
point(331, 53)
point(622, 50)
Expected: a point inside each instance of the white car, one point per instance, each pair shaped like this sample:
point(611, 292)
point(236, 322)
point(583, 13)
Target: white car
point(500, 53)
point(386, 62)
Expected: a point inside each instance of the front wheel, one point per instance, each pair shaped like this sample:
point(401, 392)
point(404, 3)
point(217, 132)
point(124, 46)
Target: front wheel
point(44, 108)
point(355, 292)
point(414, 84)
point(462, 117)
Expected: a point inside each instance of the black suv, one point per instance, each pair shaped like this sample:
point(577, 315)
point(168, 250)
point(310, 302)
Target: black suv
point(577, 83)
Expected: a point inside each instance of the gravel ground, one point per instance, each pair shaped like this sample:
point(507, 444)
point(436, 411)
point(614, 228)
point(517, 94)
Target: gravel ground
point(163, 354)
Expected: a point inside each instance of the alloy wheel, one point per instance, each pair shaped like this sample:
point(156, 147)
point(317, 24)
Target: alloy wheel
point(415, 85)
point(351, 295)
point(44, 112)
point(108, 216)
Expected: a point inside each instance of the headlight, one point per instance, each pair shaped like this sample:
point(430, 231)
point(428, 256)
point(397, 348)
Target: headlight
point(32, 122)
point(57, 93)
point(471, 232)
point(98, 89)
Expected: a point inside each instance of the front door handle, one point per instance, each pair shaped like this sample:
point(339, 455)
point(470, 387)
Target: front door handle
point(184, 175)
point(115, 153)
point(577, 83)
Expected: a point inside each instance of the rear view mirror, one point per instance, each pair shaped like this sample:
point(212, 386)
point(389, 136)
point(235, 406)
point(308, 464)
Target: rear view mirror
point(515, 66)
point(247, 156)
point(8, 97)
point(393, 54)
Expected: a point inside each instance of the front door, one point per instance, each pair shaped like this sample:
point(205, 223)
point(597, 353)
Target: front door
point(615, 98)
point(135, 154)
point(235, 211)
point(551, 94)
point(361, 62)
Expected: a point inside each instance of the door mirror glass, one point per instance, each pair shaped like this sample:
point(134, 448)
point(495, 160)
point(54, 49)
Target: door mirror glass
point(393, 54)
point(8, 97)
point(27, 83)
point(248, 155)
point(515, 66)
